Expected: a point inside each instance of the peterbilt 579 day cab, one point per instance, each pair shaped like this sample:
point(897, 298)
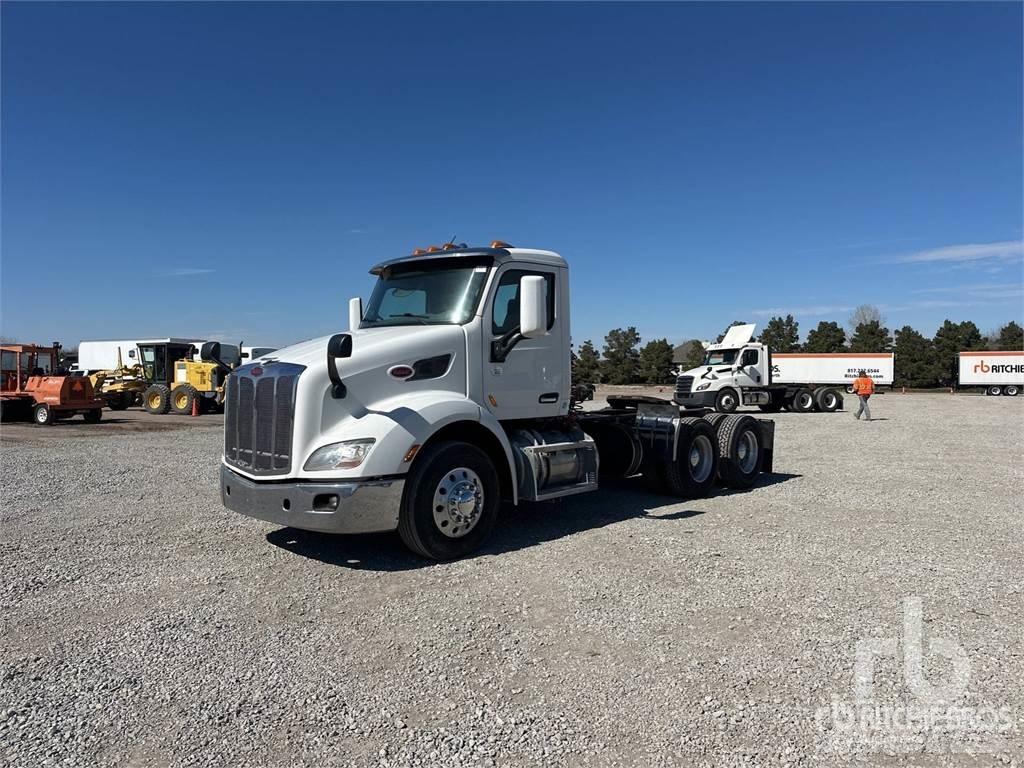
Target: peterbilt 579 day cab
point(738, 371)
point(1000, 373)
point(450, 393)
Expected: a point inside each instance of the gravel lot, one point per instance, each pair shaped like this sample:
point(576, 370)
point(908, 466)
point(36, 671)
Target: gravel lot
point(143, 624)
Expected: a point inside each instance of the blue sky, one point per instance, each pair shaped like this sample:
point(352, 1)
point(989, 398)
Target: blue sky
point(231, 170)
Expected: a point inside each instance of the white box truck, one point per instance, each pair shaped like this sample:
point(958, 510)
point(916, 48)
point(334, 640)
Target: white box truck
point(450, 394)
point(1000, 373)
point(102, 355)
point(738, 371)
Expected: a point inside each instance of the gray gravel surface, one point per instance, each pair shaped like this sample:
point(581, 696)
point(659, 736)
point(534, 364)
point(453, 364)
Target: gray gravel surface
point(143, 624)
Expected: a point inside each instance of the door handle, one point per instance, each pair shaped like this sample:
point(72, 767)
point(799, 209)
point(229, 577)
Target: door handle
point(548, 397)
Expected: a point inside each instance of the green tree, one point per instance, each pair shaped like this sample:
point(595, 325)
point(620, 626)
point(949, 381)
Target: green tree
point(1011, 338)
point(827, 337)
point(588, 365)
point(871, 336)
point(656, 362)
point(621, 361)
point(695, 356)
point(722, 334)
point(782, 334)
point(950, 339)
point(915, 359)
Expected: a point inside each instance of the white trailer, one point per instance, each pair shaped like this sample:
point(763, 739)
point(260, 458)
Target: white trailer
point(738, 371)
point(1000, 373)
point(814, 369)
point(451, 393)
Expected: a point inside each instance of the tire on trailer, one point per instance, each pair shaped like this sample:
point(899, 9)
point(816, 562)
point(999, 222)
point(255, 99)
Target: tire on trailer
point(182, 398)
point(695, 469)
point(727, 400)
point(1011, 390)
point(994, 391)
point(157, 399)
point(827, 399)
point(803, 401)
point(849, 389)
point(42, 414)
point(118, 401)
point(94, 416)
point(739, 448)
point(450, 503)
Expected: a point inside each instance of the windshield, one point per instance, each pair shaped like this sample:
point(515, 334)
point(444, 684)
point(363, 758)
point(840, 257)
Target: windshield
point(721, 357)
point(442, 292)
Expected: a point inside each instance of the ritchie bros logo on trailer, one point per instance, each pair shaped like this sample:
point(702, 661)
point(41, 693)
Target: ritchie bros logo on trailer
point(983, 367)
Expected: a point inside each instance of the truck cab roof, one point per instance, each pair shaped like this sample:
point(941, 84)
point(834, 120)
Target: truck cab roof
point(495, 255)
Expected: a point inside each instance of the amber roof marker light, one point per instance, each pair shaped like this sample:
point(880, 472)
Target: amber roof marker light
point(500, 244)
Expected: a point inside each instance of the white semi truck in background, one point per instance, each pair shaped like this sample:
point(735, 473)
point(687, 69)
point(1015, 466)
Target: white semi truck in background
point(738, 371)
point(449, 394)
point(1000, 373)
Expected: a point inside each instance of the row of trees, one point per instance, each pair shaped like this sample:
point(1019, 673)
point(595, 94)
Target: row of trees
point(624, 361)
point(920, 361)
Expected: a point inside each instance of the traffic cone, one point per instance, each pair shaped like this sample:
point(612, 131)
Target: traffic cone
point(195, 406)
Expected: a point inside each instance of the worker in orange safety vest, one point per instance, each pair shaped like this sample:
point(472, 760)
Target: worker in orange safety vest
point(863, 387)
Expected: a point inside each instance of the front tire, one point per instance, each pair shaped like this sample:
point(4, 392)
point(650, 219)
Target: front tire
point(42, 415)
point(93, 416)
point(727, 400)
point(450, 503)
point(157, 399)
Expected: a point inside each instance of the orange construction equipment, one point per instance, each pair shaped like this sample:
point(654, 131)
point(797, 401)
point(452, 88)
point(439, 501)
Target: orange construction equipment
point(32, 387)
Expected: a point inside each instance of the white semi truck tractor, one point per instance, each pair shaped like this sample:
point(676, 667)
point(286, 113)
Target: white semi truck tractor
point(738, 371)
point(450, 394)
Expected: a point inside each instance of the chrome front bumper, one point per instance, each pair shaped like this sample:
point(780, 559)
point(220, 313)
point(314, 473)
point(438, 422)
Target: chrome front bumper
point(361, 506)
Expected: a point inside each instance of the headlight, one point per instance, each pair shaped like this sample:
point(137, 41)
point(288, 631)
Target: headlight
point(345, 455)
point(703, 386)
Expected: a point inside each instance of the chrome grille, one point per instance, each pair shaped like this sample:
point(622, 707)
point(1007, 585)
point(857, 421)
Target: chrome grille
point(684, 385)
point(259, 415)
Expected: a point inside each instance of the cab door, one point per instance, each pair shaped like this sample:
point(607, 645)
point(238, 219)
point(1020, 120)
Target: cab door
point(750, 373)
point(531, 381)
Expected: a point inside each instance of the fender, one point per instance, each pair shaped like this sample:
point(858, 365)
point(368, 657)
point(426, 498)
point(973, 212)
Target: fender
point(399, 423)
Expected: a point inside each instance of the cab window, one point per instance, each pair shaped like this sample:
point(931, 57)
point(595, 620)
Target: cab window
point(505, 313)
point(749, 357)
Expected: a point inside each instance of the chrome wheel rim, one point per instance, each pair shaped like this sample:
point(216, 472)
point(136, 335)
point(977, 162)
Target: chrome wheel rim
point(804, 401)
point(746, 452)
point(728, 402)
point(1012, 391)
point(458, 502)
point(701, 458)
point(41, 415)
point(829, 401)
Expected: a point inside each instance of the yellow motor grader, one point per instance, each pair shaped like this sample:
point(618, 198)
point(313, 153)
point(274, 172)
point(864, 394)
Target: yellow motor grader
point(122, 387)
point(176, 380)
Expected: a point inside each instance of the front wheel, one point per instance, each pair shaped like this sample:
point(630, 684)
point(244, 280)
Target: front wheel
point(451, 500)
point(42, 414)
point(727, 401)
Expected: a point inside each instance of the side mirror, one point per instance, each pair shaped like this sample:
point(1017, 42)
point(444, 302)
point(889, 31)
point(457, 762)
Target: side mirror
point(533, 311)
point(339, 345)
point(355, 313)
point(210, 351)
